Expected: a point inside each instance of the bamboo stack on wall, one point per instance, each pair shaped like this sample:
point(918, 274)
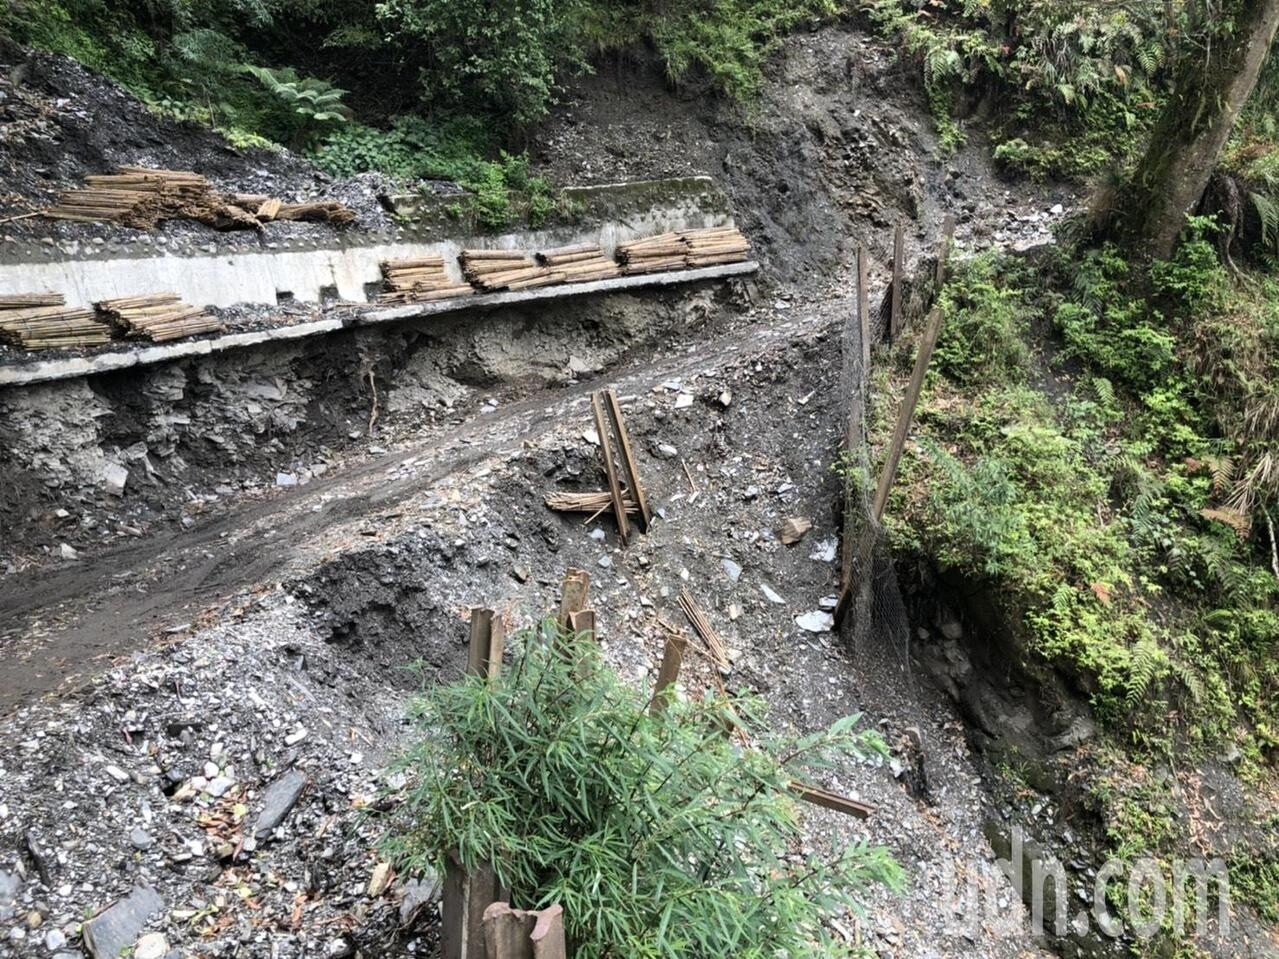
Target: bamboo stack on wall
point(717, 245)
point(654, 254)
point(418, 279)
point(684, 249)
point(159, 317)
point(580, 264)
point(40, 321)
point(492, 270)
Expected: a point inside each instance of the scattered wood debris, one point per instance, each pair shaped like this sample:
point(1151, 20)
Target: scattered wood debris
point(141, 198)
point(684, 249)
point(705, 632)
point(581, 263)
point(624, 500)
point(594, 502)
point(793, 529)
point(158, 317)
point(418, 279)
point(40, 321)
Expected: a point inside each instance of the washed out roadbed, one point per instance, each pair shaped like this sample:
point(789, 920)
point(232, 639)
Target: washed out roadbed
point(161, 767)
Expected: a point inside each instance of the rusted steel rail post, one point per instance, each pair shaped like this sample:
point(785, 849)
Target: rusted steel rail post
point(672, 660)
point(577, 585)
point(863, 309)
point(943, 251)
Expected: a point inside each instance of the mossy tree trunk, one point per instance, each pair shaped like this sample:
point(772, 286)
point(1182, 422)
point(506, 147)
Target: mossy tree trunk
point(1210, 84)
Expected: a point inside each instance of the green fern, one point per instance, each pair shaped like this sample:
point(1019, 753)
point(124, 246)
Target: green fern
point(1149, 665)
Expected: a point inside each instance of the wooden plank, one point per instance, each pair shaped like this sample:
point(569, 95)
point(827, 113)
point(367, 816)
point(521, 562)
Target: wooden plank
point(577, 585)
point(907, 412)
point(628, 459)
point(863, 310)
point(895, 305)
point(672, 660)
point(582, 623)
point(829, 800)
point(488, 636)
point(610, 470)
point(466, 895)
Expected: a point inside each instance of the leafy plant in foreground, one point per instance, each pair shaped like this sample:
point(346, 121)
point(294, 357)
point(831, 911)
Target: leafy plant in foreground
point(660, 835)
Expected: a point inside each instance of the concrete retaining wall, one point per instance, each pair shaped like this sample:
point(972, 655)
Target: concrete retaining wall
point(207, 276)
point(129, 355)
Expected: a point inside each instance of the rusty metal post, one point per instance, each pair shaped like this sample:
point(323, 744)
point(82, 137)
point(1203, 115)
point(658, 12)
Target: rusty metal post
point(577, 584)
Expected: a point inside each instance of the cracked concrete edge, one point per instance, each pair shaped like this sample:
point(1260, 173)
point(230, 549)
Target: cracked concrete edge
point(45, 371)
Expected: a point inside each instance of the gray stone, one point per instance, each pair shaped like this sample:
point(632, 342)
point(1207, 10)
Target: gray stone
point(771, 595)
point(112, 931)
point(278, 800)
point(419, 893)
point(141, 839)
point(114, 477)
point(731, 569)
point(151, 946)
point(54, 940)
point(817, 621)
point(218, 787)
point(10, 883)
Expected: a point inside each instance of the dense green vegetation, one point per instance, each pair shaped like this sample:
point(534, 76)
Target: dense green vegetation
point(412, 88)
point(1096, 453)
point(660, 834)
point(1114, 483)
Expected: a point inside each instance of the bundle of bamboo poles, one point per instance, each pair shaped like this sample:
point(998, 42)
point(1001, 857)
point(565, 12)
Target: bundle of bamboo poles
point(418, 279)
point(716, 245)
point(40, 321)
point(158, 317)
point(580, 264)
point(139, 197)
point(683, 249)
point(133, 196)
point(654, 254)
point(505, 270)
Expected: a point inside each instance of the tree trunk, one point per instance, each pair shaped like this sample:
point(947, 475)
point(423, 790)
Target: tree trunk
point(1211, 83)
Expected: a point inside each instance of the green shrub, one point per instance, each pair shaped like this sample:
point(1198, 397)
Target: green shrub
point(1084, 73)
point(660, 835)
point(984, 339)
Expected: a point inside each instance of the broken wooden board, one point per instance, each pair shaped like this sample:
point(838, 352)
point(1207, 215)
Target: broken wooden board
point(631, 467)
